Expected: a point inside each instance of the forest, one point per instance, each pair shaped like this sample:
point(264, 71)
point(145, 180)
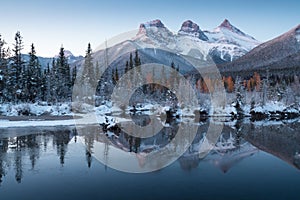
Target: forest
point(30, 82)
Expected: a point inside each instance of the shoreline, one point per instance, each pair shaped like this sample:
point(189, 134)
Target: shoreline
point(43, 121)
point(39, 118)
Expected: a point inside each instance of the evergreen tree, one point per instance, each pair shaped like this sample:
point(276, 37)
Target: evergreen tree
point(239, 97)
point(131, 66)
point(137, 64)
point(46, 85)
point(130, 62)
point(137, 60)
point(54, 84)
point(74, 74)
point(43, 85)
point(113, 76)
point(73, 77)
point(126, 67)
point(24, 80)
point(14, 83)
point(88, 79)
point(172, 65)
point(88, 74)
point(3, 69)
point(116, 75)
point(64, 77)
point(34, 75)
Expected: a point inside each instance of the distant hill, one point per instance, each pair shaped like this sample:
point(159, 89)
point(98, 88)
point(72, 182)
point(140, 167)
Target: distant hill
point(279, 55)
point(44, 61)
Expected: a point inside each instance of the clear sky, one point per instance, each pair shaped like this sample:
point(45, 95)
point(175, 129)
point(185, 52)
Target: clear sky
point(50, 23)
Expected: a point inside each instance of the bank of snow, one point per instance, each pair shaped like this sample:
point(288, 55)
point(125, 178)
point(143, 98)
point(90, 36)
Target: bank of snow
point(35, 109)
point(109, 115)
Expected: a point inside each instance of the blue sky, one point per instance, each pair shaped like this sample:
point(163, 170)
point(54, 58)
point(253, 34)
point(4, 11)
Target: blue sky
point(49, 24)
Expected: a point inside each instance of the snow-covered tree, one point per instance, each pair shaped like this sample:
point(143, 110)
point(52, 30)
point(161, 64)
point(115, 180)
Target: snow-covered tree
point(34, 76)
point(14, 82)
point(88, 73)
point(46, 85)
point(64, 77)
point(54, 81)
point(3, 69)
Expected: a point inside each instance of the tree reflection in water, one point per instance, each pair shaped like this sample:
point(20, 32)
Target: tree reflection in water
point(237, 142)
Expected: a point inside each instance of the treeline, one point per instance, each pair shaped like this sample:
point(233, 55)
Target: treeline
point(252, 83)
point(22, 81)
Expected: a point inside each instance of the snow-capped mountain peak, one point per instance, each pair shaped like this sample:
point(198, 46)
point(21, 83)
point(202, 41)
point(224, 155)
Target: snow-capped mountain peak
point(192, 29)
point(154, 34)
point(154, 23)
point(222, 46)
point(226, 33)
point(225, 43)
point(227, 26)
point(151, 25)
point(70, 56)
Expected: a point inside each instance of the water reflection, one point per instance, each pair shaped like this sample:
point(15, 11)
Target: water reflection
point(21, 146)
point(21, 149)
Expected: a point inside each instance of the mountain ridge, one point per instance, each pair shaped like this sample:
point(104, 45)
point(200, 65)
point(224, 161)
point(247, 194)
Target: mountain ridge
point(190, 40)
point(282, 52)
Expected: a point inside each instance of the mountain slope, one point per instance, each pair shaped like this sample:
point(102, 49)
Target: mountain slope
point(278, 53)
point(228, 34)
point(44, 61)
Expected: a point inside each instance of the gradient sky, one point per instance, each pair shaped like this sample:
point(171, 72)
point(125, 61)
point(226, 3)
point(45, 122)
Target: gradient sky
point(49, 24)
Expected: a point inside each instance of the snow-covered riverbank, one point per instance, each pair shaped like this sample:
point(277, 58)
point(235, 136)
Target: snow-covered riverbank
point(41, 114)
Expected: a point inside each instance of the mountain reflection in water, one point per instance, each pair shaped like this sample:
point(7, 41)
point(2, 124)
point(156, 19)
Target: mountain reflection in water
point(22, 148)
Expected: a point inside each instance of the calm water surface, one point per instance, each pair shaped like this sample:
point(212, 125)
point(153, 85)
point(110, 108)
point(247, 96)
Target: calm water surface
point(248, 161)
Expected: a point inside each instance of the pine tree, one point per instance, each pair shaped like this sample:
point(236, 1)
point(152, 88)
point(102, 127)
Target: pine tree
point(172, 65)
point(34, 75)
point(46, 85)
point(126, 67)
point(43, 85)
point(64, 77)
point(74, 74)
point(130, 62)
point(116, 75)
point(88, 74)
point(113, 76)
point(239, 97)
point(14, 83)
point(131, 67)
point(54, 84)
point(137, 64)
point(24, 79)
point(137, 60)
point(3, 69)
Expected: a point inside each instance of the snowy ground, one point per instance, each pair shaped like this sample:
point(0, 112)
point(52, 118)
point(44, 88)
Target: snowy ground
point(36, 109)
point(42, 114)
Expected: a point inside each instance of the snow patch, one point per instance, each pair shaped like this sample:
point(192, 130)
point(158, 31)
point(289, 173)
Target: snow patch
point(229, 110)
point(298, 35)
point(36, 109)
point(270, 107)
